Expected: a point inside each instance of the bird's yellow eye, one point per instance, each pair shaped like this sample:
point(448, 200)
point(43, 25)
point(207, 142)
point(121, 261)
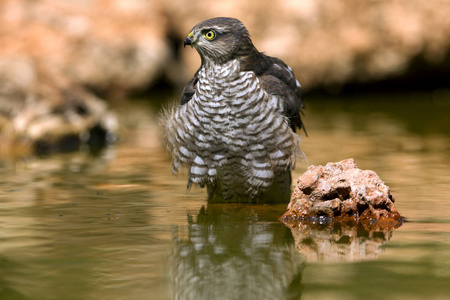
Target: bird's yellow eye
point(210, 35)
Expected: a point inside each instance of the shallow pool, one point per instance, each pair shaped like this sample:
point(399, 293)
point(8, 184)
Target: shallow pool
point(121, 226)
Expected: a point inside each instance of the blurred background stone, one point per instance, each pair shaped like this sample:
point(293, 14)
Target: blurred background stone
point(331, 44)
point(117, 48)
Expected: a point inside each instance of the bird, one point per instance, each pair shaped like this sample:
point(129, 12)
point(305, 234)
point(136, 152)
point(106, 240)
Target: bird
point(235, 127)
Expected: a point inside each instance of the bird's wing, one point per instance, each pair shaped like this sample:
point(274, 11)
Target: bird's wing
point(277, 68)
point(189, 89)
point(279, 79)
point(275, 86)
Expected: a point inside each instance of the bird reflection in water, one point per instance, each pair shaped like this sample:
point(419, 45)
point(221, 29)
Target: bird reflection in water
point(235, 251)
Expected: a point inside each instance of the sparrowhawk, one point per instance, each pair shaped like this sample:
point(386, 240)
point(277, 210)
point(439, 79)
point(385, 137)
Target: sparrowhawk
point(235, 127)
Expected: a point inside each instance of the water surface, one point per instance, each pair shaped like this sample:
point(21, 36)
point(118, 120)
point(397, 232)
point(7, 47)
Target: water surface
point(121, 226)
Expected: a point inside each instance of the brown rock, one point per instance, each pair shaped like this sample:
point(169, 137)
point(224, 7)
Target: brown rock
point(341, 192)
point(118, 46)
point(52, 119)
point(111, 46)
point(329, 43)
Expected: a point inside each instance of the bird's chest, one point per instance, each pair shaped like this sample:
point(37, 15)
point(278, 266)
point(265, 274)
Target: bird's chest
point(226, 99)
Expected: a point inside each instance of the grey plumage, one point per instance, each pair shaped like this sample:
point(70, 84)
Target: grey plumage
point(235, 127)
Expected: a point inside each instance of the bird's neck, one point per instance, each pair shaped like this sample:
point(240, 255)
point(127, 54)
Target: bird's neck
point(242, 55)
point(228, 70)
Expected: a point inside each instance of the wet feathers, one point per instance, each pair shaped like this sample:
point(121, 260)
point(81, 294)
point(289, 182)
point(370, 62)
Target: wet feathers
point(235, 127)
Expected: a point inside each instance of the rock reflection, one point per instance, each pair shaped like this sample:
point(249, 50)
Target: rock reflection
point(243, 252)
point(339, 242)
point(234, 252)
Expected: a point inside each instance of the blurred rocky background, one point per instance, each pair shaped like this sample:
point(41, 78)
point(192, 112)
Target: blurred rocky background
point(61, 62)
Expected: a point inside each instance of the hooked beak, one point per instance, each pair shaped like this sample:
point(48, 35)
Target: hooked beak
point(189, 40)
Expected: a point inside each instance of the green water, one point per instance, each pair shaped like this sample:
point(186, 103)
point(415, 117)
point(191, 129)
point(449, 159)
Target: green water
point(121, 226)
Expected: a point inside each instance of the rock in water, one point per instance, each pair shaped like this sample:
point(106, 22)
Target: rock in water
point(341, 192)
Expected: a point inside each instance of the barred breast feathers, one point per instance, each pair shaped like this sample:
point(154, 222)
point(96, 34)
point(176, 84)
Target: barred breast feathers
point(231, 130)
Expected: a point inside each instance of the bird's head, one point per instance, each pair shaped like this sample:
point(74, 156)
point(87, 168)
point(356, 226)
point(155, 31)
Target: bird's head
point(219, 40)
